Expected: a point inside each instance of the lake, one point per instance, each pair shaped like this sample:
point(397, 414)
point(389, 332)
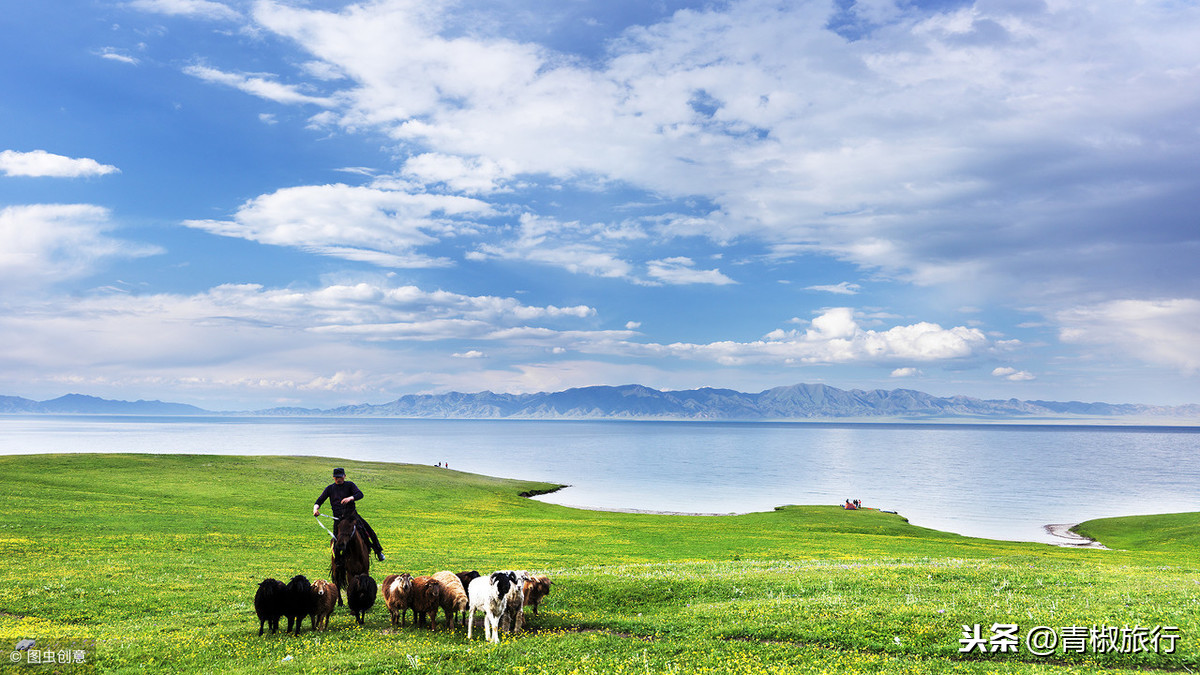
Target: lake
point(997, 481)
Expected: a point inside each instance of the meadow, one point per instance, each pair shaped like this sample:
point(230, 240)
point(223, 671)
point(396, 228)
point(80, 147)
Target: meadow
point(149, 563)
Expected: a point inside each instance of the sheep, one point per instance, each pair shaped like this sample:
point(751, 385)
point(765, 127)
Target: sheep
point(360, 596)
point(324, 600)
point(269, 603)
point(426, 599)
point(515, 602)
point(454, 596)
point(298, 602)
point(489, 595)
point(465, 578)
point(397, 595)
point(536, 588)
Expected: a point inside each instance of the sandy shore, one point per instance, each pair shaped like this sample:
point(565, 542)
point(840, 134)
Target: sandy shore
point(1063, 533)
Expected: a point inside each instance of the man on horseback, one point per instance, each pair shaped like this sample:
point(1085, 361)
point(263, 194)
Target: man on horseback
point(342, 494)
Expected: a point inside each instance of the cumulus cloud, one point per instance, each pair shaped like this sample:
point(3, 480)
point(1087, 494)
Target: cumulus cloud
point(40, 163)
point(936, 146)
point(42, 243)
point(832, 337)
point(478, 175)
point(573, 246)
point(249, 338)
point(906, 372)
point(681, 270)
point(1163, 332)
point(383, 227)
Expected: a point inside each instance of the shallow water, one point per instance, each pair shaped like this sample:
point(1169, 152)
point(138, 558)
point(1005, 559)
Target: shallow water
point(1003, 482)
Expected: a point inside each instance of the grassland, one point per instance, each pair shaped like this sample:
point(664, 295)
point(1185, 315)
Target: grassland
point(155, 559)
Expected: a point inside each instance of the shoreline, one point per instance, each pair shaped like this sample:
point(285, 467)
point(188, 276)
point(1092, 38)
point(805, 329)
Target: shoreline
point(1062, 532)
point(1072, 539)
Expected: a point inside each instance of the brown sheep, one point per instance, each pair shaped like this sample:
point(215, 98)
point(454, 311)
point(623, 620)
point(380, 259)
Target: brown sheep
point(397, 595)
point(325, 596)
point(426, 599)
point(536, 588)
point(454, 596)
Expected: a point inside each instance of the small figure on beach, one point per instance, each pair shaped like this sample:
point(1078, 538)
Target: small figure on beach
point(342, 495)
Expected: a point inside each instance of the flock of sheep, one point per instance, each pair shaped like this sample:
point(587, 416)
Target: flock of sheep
point(501, 597)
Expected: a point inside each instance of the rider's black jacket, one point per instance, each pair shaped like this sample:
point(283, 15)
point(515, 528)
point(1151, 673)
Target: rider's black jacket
point(336, 493)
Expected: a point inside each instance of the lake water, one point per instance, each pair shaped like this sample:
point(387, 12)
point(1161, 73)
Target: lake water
point(1003, 482)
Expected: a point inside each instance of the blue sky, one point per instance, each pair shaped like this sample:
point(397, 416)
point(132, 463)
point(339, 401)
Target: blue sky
point(244, 204)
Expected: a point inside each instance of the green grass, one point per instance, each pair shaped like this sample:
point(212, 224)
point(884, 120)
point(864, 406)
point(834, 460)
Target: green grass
point(156, 558)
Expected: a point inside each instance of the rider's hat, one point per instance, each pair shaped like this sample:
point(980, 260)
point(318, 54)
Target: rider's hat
point(339, 472)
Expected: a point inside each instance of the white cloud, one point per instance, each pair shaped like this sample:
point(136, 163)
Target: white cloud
point(1013, 374)
point(935, 146)
point(906, 372)
point(843, 288)
point(681, 270)
point(200, 9)
point(1163, 332)
point(383, 227)
point(253, 340)
point(113, 54)
point(833, 337)
point(42, 243)
point(573, 246)
point(470, 176)
point(40, 163)
point(257, 85)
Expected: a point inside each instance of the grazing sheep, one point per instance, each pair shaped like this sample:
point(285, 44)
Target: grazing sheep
point(489, 594)
point(298, 603)
point(426, 599)
point(515, 602)
point(536, 588)
point(454, 596)
point(269, 603)
point(397, 595)
point(465, 578)
point(325, 595)
point(360, 596)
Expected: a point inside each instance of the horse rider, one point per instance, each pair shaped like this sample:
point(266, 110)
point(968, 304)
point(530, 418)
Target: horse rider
point(342, 494)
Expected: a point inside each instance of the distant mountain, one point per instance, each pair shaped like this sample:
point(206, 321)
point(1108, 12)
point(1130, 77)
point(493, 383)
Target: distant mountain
point(801, 401)
point(797, 402)
point(78, 404)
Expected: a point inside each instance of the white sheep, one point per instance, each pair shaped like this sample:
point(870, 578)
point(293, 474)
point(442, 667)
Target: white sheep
point(489, 594)
point(514, 607)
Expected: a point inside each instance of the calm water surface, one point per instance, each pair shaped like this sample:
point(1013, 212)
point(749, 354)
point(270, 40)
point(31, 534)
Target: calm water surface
point(1003, 482)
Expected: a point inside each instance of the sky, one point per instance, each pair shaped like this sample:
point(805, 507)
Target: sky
point(241, 204)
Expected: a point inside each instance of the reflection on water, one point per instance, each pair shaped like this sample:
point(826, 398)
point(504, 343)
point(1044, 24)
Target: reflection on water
point(1003, 482)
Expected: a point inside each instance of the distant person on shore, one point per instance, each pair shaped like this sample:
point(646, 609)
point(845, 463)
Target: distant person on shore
point(342, 495)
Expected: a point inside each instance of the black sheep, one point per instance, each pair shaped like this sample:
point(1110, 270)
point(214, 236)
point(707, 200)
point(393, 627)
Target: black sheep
point(360, 596)
point(269, 603)
point(299, 602)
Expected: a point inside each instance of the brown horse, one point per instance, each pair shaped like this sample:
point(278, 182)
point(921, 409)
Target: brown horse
point(349, 552)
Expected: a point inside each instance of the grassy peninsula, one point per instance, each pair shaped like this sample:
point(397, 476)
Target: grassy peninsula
point(153, 560)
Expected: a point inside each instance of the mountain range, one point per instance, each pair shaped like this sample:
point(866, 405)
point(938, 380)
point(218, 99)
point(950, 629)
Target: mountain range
point(796, 402)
